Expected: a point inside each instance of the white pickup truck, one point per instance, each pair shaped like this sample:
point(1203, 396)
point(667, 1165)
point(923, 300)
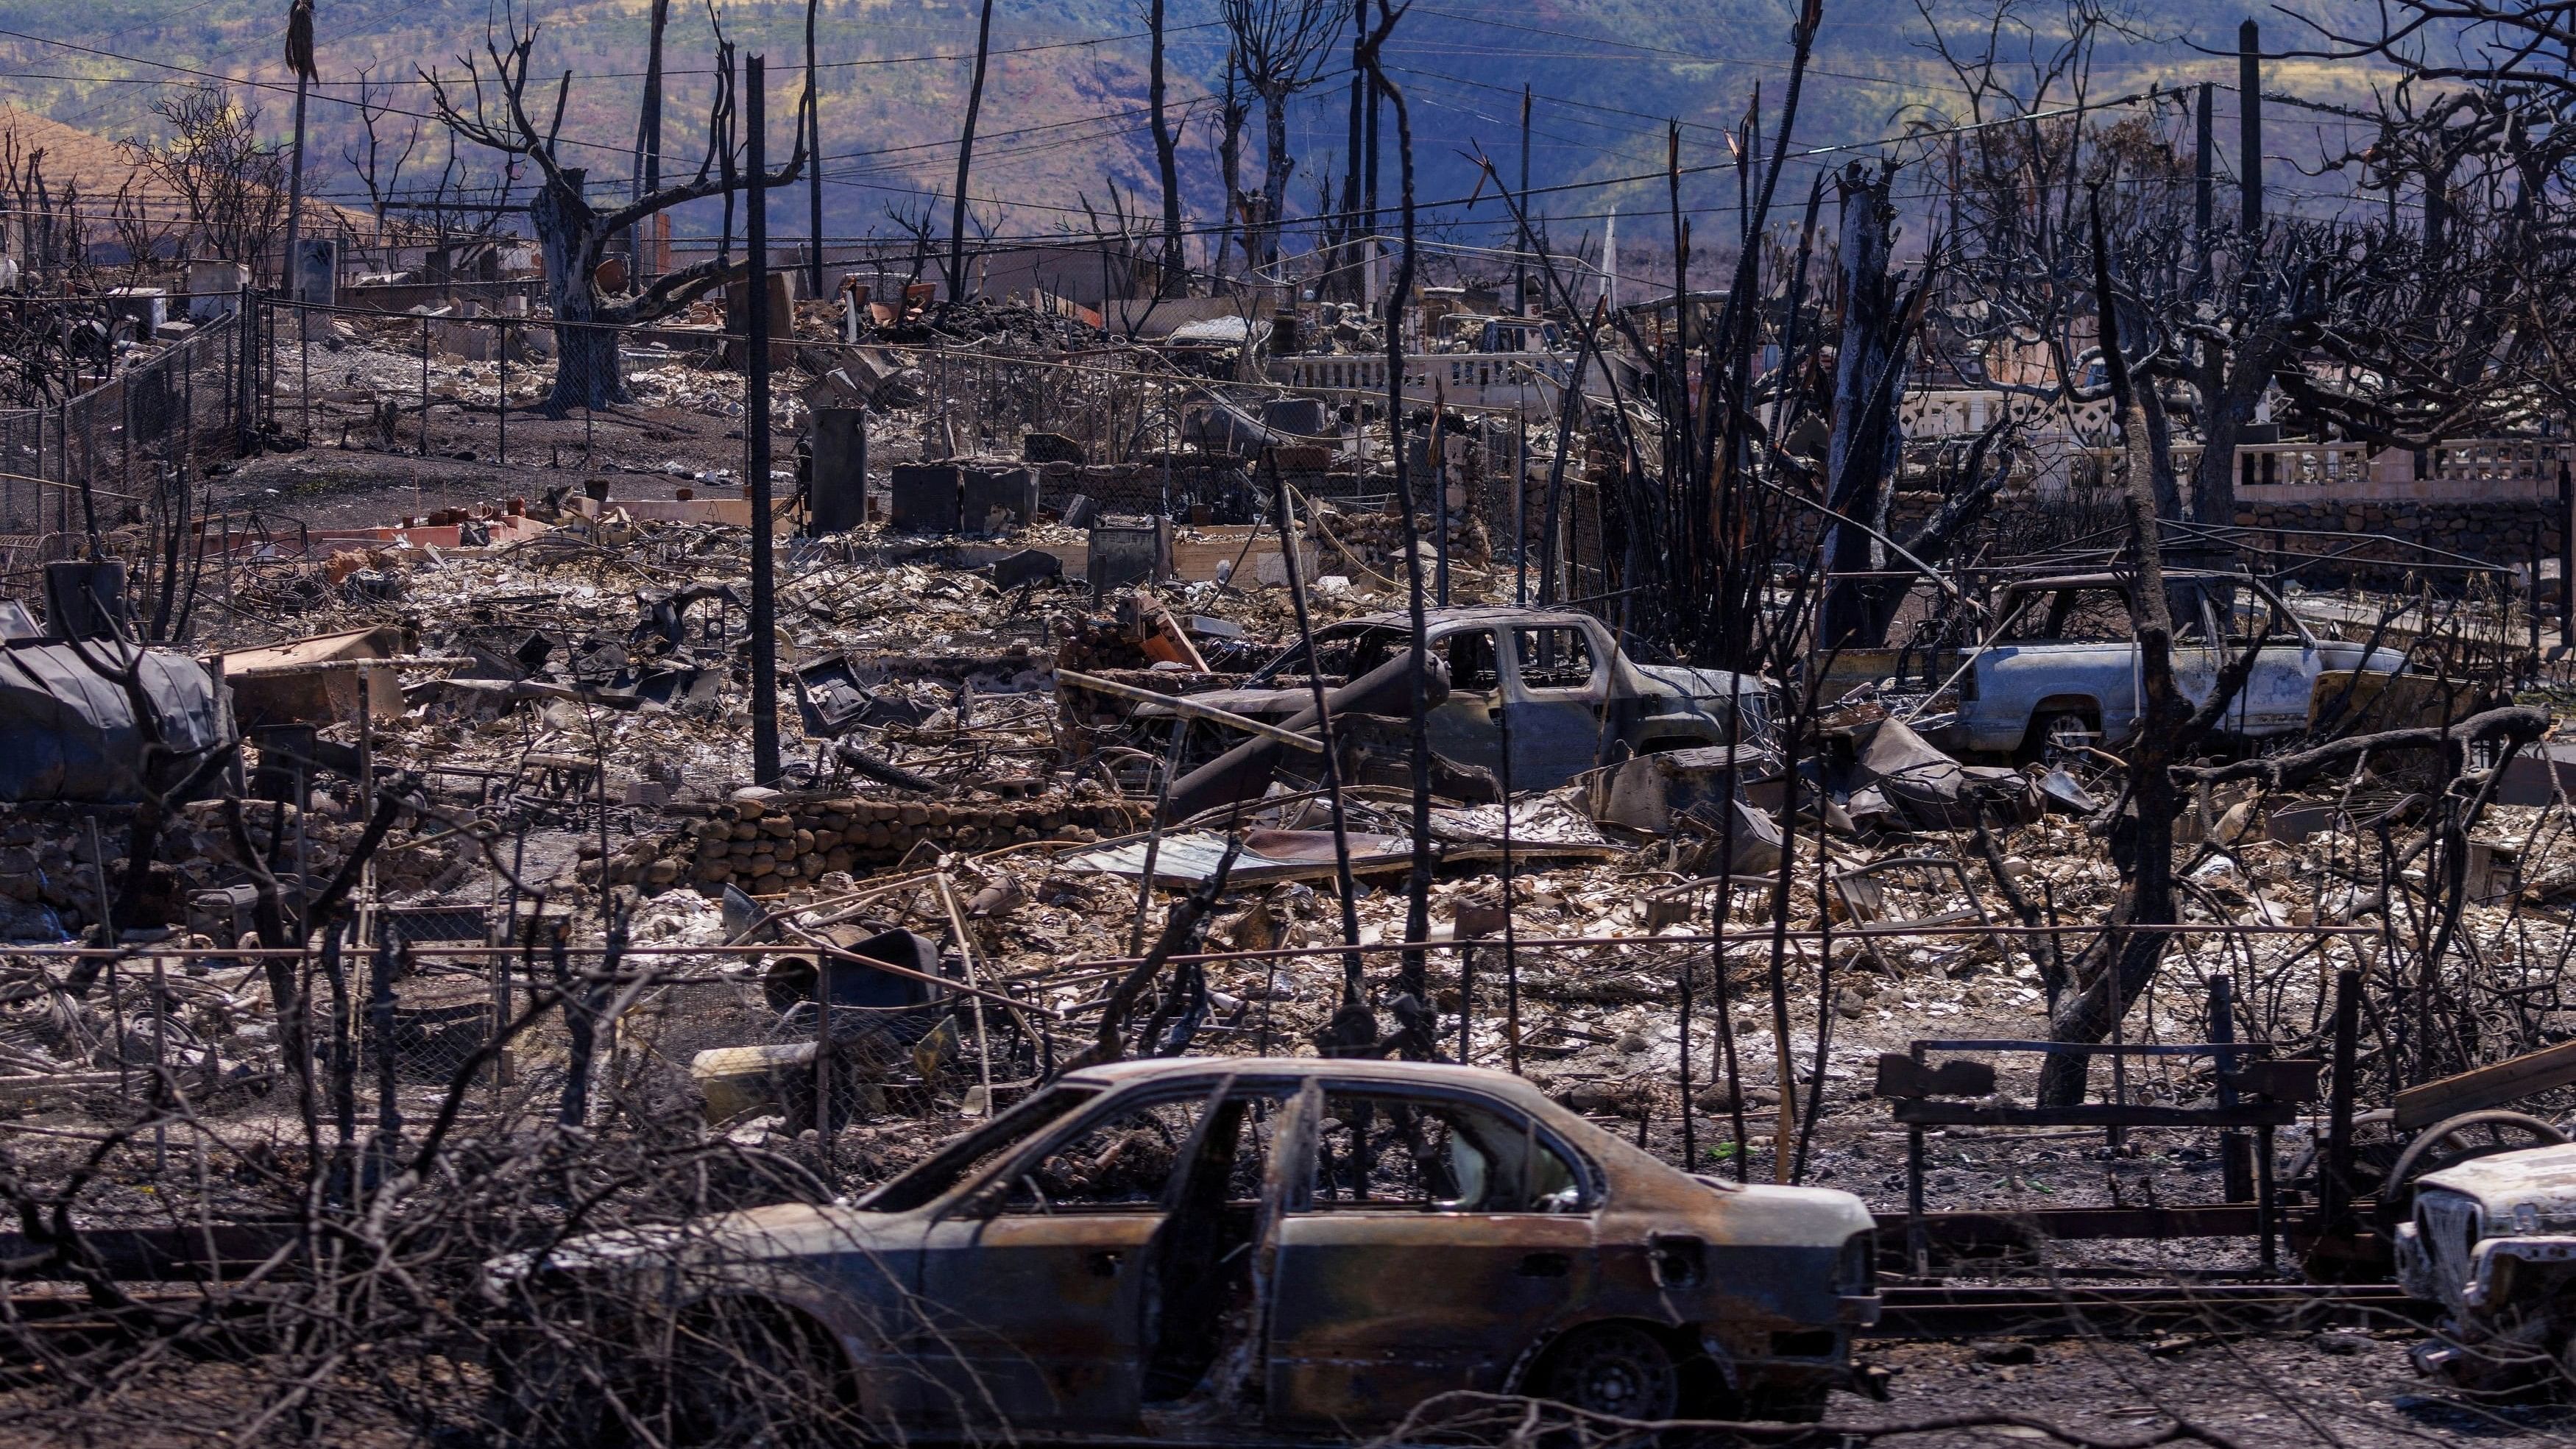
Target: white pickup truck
point(2061, 669)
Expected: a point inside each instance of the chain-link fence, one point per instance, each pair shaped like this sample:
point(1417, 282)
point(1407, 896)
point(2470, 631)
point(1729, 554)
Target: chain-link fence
point(137, 442)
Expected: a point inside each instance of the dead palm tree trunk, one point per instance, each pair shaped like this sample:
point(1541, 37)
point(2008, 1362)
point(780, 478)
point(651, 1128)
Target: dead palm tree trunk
point(299, 59)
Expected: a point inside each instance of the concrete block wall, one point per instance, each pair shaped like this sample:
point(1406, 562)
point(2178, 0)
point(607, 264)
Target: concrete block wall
point(2500, 532)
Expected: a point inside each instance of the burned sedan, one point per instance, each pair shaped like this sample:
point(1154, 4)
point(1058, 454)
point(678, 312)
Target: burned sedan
point(2493, 1241)
point(1197, 1250)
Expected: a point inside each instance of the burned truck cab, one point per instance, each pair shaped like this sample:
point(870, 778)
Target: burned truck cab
point(2493, 1241)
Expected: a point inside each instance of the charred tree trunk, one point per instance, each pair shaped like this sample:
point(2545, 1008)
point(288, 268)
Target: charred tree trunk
point(568, 235)
point(648, 133)
point(1174, 281)
point(966, 158)
point(1229, 161)
point(1869, 374)
point(1276, 163)
point(2112, 973)
point(2230, 385)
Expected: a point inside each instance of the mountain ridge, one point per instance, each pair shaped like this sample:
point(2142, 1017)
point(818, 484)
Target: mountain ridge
point(1063, 123)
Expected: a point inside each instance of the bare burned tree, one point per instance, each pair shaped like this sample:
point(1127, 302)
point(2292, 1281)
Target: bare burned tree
point(1879, 321)
point(1281, 47)
point(231, 184)
point(376, 162)
point(46, 214)
point(489, 106)
point(1227, 124)
point(966, 155)
point(2364, 331)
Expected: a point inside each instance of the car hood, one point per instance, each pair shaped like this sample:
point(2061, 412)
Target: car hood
point(779, 1231)
point(2543, 1176)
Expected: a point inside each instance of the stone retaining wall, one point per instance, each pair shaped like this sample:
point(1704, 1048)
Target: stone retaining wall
point(2500, 532)
point(767, 847)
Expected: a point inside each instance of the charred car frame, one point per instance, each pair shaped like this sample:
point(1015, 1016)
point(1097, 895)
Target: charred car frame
point(1202, 1250)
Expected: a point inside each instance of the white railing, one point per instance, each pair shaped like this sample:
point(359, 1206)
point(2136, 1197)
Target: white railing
point(2472, 470)
point(1464, 379)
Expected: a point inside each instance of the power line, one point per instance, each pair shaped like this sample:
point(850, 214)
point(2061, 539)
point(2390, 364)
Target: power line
point(272, 86)
point(866, 61)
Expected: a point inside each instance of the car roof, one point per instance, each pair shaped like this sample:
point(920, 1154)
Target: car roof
point(1356, 1069)
point(1489, 613)
point(2109, 580)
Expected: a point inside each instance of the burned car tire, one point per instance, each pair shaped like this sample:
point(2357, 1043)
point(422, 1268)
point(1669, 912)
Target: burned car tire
point(1620, 1369)
point(2055, 737)
point(742, 1374)
point(749, 1373)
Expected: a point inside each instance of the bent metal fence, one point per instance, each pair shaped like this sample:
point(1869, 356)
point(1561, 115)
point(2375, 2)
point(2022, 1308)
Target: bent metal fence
point(128, 454)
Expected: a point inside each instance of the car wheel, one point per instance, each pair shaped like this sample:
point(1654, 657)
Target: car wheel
point(540, 1399)
point(1618, 1369)
point(746, 1374)
point(2061, 739)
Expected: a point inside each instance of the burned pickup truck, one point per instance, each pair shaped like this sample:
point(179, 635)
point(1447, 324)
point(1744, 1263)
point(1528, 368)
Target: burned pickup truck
point(2060, 668)
point(1554, 681)
point(1211, 1251)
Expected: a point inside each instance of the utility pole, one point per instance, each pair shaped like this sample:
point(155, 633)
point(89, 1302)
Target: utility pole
point(812, 122)
point(2202, 164)
point(1353, 253)
point(1610, 260)
point(764, 584)
point(1520, 253)
point(2249, 110)
point(1368, 201)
